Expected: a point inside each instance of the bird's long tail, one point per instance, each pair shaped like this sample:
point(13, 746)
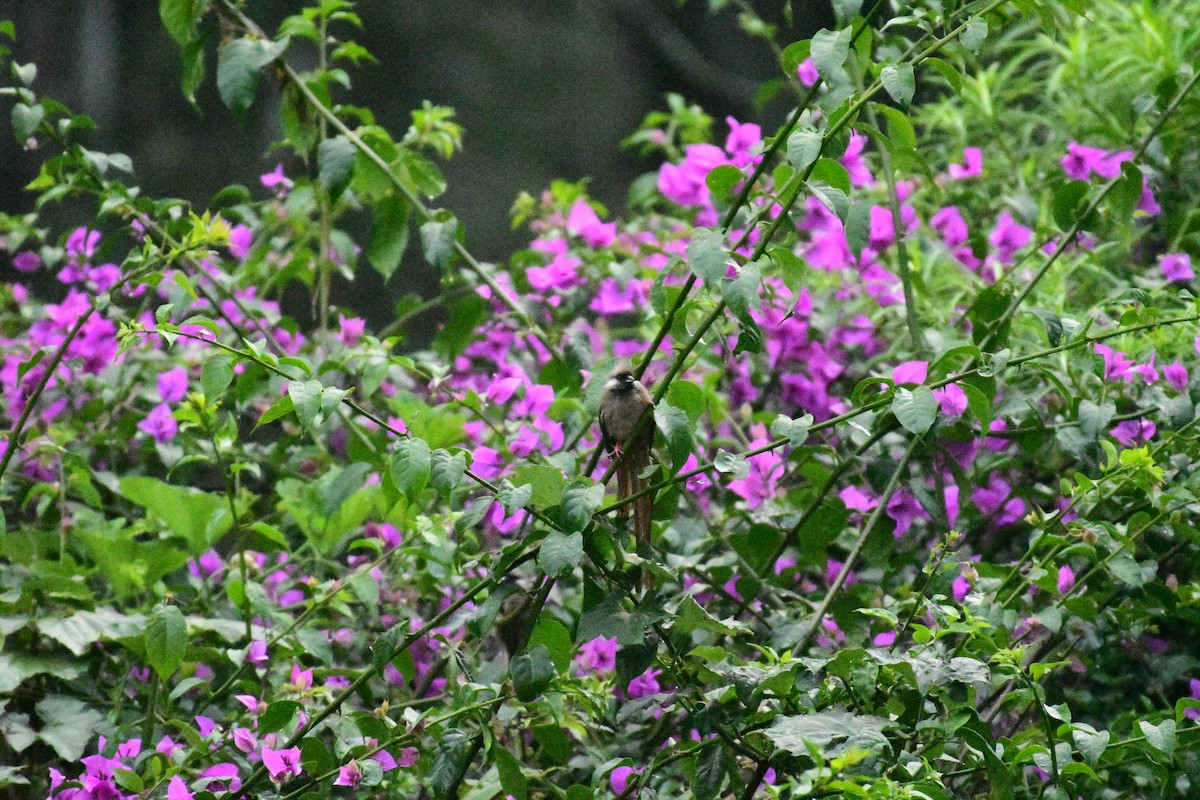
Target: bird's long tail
point(632, 462)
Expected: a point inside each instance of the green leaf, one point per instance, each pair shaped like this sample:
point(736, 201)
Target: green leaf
point(437, 240)
point(711, 765)
point(833, 199)
point(216, 375)
point(915, 409)
point(560, 552)
point(80, 631)
point(795, 430)
point(899, 81)
point(335, 164)
point(980, 406)
point(858, 227)
point(389, 234)
point(238, 65)
point(199, 517)
point(741, 293)
point(677, 430)
point(706, 255)
point(191, 68)
point(722, 179)
point(1091, 744)
point(411, 465)
point(1127, 192)
point(727, 462)
point(25, 120)
point(1069, 201)
point(512, 779)
point(450, 761)
point(512, 497)
point(68, 725)
point(557, 639)
point(804, 147)
point(531, 673)
point(832, 732)
point(688, 396)
point(165, 639)
point(446, 470)
point(1161, 736)
point(828, 51)
point(946, 70)
point(975, 33)
point(547, 484)
point(278, 715)
point(692, 617)
point(306, 399)
point(580, 500)
point(180, 18)
point(280, 408)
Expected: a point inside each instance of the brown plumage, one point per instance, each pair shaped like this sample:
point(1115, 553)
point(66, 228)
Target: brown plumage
point(624, 401)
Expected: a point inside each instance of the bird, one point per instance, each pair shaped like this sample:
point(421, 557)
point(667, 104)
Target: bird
point(622, 406)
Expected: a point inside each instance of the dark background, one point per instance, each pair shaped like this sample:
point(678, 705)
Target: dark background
point(544, 89)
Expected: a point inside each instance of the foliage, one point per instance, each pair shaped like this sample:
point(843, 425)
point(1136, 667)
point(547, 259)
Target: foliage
point(925, 512)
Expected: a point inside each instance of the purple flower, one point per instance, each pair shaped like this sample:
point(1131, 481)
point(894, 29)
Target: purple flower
point(1066, 578)
point(1133, 431)
point(853, 162)
point(973, 167)
point(910, 372)
point(830, 633)
point(904, 510)
point(856, 499)
point(384, 759)
point(1080, 160)
point(81, 244)
point(1193, 713)
point(807, 72)
point(742, 139)
point(256, 653)
point(26, 261)
point(275, 179)
point(350, 329)
point(951, 399)
point(613, 298)
point(884, 639)
point(683, 183)
point(173, 384)
point(1147, 203)
point(1117, 365)
point(177, 789)
point(409, 756)
point(960, 588)
point(560, 274)
point(1008, 237)
point(583, 222)
point(1176, 267)
point(160, 424)
point(950, 224)
point(349, 775)
point(1176, 375)
point(619, 779)
point(645, 684)
point(240, 239)
point(386, 532)
point(281, 763)
point(598, 656)
point(104, 277)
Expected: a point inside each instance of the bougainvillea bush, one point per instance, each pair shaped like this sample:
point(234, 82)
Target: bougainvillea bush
point(924, 363)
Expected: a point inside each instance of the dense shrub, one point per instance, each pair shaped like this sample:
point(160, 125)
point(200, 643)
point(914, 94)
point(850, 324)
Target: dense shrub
point(925, 369)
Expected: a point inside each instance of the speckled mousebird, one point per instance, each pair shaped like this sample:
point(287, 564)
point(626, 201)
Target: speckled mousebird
point(624, 401)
